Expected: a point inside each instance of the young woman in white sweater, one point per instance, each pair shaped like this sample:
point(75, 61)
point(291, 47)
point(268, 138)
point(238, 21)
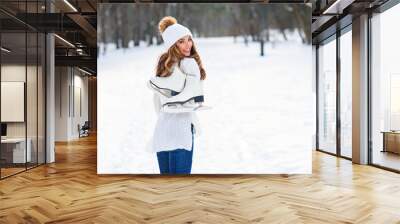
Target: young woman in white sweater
point(173, 138)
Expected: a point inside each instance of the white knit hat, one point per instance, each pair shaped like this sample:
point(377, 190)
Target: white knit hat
point(173, 33)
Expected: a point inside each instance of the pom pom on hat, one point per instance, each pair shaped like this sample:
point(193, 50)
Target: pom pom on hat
point(171, 31)
point(166, 22)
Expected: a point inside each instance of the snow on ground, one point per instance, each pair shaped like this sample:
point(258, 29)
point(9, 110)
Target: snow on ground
point(261, 121)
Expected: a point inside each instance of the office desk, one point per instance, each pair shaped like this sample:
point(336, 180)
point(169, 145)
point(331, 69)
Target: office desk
point(15, 148)
point(391, 141)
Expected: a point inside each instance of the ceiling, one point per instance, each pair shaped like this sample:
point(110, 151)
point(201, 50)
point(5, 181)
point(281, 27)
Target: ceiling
point(329, 16)
point(75, 22)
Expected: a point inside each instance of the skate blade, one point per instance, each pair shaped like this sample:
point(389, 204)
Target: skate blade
point(178, 110)
point(182, 109)
point(203, 108)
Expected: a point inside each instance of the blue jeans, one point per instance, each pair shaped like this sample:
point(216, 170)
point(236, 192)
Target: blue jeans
point(178, 161)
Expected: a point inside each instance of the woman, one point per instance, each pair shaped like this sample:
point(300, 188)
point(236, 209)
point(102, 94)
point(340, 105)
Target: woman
point(173, 138)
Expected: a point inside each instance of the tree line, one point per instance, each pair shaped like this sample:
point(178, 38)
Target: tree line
point(126, 22)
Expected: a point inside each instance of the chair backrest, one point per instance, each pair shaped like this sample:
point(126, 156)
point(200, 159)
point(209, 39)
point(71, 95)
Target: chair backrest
point(86, 124)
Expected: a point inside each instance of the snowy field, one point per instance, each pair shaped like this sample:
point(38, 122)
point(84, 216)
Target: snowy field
point(262, 119)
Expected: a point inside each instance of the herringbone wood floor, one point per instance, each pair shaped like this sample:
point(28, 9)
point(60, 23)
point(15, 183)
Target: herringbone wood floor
point(70, 191)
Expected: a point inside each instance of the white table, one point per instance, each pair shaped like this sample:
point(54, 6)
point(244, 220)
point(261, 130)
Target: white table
point(19, 149)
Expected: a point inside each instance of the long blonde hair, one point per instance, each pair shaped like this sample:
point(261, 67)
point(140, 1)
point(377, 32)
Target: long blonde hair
point(173, 55)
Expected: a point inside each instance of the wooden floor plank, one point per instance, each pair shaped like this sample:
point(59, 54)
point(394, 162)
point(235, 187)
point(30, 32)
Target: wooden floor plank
point(70, 191)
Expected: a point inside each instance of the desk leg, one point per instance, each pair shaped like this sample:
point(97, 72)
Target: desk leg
point(384, 142)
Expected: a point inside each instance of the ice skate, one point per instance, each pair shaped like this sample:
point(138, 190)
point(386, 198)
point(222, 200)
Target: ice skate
point(165, 85)
point(190, 99)
point(182, 91)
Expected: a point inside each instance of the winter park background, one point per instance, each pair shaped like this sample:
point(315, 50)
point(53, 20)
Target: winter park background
point(262, 119)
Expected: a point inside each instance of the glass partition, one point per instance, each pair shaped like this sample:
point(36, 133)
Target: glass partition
point(32, 95)
point(346, 94)
point(327, 97)
point(22, 67)
point(385, 89)
point(13, 110)
point(41, 109)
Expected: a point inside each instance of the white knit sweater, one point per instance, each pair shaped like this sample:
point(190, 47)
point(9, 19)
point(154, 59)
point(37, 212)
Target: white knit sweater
point(173, 130)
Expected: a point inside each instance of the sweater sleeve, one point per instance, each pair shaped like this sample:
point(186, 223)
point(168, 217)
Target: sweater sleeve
point(190, 67)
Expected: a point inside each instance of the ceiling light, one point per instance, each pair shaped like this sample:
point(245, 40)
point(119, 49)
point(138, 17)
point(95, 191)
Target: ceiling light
point(79, 51)
point(326, 11)
point(64, 40)
point(5, 49)
point(70, 5)
point(84, 71)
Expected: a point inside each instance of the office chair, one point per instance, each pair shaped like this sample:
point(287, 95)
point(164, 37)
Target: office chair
point(84, 130)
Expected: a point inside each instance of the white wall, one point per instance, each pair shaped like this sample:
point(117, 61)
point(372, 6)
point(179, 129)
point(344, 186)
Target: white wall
point(33, 126)
point(70, 83)
point(10, 73)
point(15, 72)
point(61, 103)
point(80, 84)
